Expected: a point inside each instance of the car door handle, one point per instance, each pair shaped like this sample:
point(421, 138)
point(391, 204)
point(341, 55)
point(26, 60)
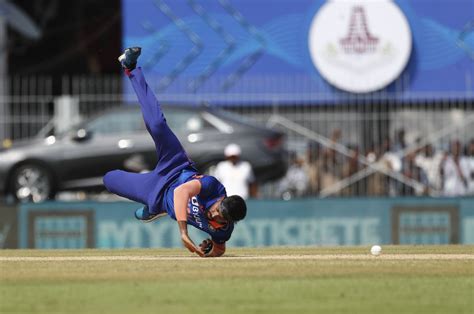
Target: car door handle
point(125, 144)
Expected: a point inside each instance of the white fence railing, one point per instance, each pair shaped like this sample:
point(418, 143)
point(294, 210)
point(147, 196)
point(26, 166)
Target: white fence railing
point(361, 146)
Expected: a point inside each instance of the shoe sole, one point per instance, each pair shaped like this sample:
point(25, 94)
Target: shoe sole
point(121, 58)
point(154, 218)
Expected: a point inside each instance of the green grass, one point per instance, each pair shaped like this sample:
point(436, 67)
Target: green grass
point(368, 285)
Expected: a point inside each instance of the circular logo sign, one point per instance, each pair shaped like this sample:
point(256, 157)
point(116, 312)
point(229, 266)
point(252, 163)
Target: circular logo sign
point(361, 46)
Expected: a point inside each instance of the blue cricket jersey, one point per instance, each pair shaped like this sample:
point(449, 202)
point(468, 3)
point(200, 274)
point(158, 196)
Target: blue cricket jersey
point(211, 191)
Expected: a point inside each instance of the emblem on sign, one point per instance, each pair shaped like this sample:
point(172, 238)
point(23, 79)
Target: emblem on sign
point(361, 47)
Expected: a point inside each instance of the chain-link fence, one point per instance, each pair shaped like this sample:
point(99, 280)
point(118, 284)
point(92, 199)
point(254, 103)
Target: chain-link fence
point(358, 146)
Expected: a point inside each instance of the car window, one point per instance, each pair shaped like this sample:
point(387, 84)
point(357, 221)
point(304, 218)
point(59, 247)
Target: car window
point(184, 121)
point(117, 122)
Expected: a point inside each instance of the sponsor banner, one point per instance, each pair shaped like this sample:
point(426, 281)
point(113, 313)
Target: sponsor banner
point(56, 225)
point(57, 229)
point(425, 225)
point(318, 51)
point(8, 227)
point(305, 222)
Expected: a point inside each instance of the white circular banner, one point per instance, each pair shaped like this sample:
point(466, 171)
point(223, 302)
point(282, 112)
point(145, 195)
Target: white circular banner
point(360, 46)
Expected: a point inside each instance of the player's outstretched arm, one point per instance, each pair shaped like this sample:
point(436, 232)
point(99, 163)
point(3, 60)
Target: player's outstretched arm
point(181, 197)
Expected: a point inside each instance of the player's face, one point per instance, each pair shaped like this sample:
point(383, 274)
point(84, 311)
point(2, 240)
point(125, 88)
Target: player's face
point(215, 214)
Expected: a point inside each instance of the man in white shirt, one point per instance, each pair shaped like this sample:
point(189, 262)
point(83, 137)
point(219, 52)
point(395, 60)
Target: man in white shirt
point(430, 162)
point(455, 172)
point(235, 174)
point(470, 158)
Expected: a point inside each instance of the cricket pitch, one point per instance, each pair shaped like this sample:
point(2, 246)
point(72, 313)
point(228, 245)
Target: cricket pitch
point(404, 279)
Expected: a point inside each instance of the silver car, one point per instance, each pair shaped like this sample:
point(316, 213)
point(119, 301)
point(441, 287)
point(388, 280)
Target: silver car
point(37, 169)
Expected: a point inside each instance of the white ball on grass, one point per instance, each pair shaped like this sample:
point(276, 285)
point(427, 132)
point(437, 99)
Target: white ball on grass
point(376, 250)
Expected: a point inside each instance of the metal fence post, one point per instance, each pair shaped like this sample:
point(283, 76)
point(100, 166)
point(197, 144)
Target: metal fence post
point(3, 81)
point(66, 112)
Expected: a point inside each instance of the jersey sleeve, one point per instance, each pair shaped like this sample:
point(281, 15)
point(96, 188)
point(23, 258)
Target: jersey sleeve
point(211, 188)
point(223, 235)
point(220, 239)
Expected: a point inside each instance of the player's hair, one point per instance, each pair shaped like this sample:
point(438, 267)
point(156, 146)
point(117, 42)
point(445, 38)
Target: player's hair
point(233, 208)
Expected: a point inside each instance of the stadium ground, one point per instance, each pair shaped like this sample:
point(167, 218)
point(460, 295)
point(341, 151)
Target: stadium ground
point(404, 279)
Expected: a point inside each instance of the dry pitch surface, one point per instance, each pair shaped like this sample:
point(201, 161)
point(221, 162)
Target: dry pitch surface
point(412, 279)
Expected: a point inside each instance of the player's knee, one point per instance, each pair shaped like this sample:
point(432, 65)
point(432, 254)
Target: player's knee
point(110, 179)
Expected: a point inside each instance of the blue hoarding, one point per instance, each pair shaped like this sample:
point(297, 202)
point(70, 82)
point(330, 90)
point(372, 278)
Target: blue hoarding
point(255, 51)
point(352, 221)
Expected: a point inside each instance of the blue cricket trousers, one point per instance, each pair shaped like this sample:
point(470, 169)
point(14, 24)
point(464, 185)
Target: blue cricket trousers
point(148, 188)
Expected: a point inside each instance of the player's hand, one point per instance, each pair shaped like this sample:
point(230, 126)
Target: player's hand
point(206, 246)
point(189, 244)
point(211, 248)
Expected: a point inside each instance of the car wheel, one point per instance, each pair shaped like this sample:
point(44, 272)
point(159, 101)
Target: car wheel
point(31, 183)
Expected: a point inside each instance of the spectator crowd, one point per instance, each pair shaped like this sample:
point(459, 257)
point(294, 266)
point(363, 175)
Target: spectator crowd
point(418, 170)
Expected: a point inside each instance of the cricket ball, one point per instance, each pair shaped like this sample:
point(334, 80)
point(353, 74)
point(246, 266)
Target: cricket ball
point(375, 250)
